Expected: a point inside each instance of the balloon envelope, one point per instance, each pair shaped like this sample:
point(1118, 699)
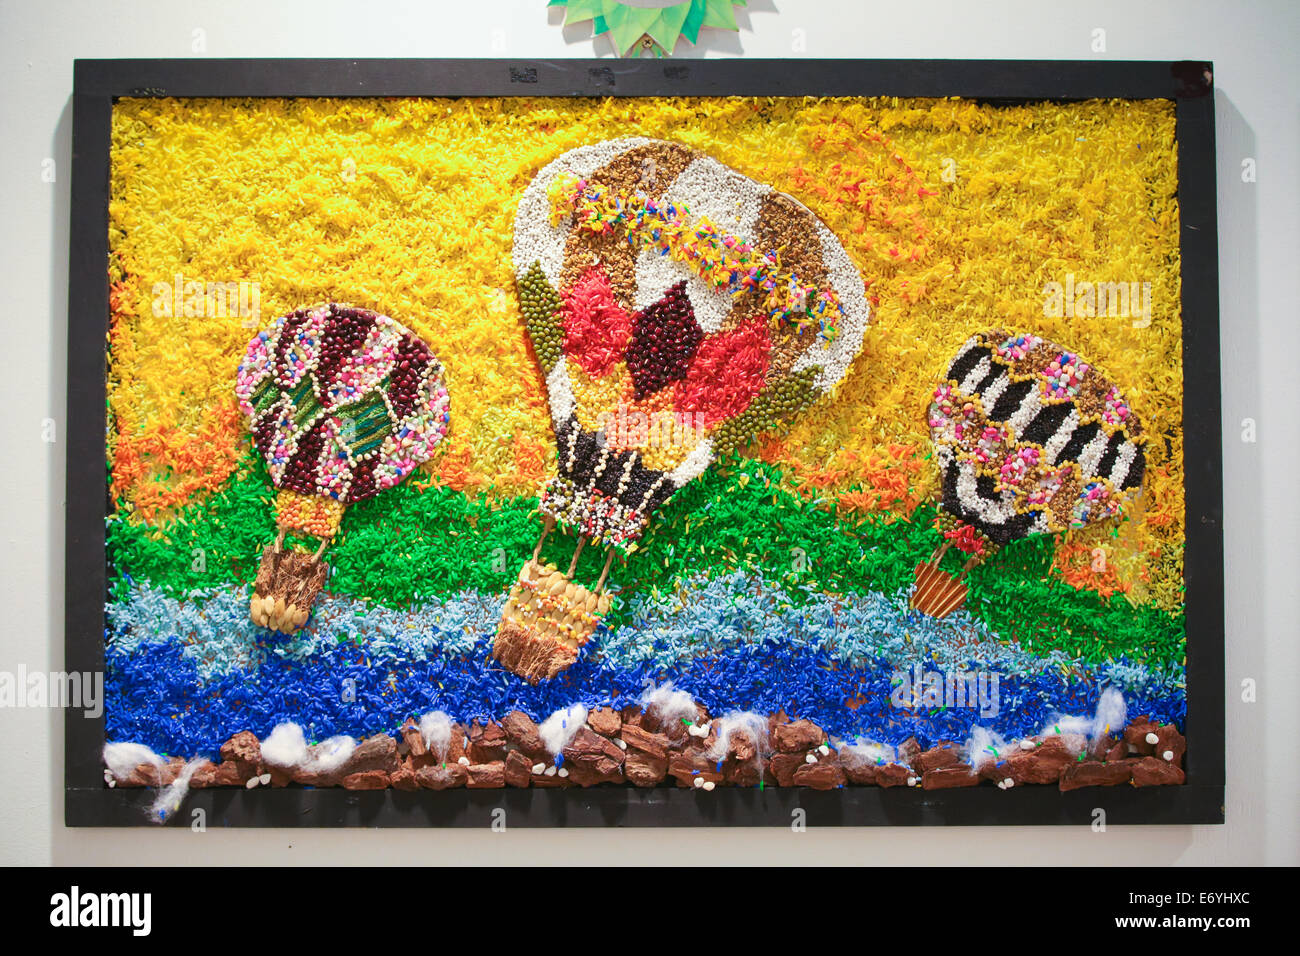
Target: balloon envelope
point(678, 308)
point(1032, 439)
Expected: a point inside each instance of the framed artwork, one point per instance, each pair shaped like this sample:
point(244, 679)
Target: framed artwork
point(641, 443)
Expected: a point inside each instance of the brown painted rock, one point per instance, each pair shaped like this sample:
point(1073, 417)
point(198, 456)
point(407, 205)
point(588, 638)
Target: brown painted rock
point(518, 769)
point(937, 757)
point(521, 730)
point(783, 767)
point(908, 751)
point(1117, 752)
point(487, 743)
point(152, 775)
point(243, 748)
point(686, 768)
point(798, 737)
point(859, 771)
point(743, 766)
point(638, 738)
point(374, 753)
point(542, 782)
point(605, 721)
point(643, 769)
point(225, 774)
point(1135, 735)
point(486, 776)
point(442, 776)
point(1043, 764)
point(1156, 772)
point(1170, 741)
point(892, 775)
point(1090, 773)
point(414, 739)
point(948, 777)
point(280, 776)
point(592, 759)
point(404, 777)
point(366, 780)
point(823, 775)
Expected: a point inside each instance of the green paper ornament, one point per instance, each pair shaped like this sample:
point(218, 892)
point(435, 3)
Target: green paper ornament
point(653, 28)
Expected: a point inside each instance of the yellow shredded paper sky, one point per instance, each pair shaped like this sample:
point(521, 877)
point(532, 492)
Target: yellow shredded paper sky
point(956, 214)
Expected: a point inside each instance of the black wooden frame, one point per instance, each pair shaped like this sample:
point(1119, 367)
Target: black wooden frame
point(97, 83)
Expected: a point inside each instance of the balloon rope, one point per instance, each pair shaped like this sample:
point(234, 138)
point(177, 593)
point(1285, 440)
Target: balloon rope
point(546, 530)
point(279, 541)
point(940, 551)
point(576, 552)
point(973, 560)
point(609, 559)
point(324, 543)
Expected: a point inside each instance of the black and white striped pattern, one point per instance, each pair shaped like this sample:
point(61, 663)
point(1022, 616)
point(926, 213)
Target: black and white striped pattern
point(1019, 403)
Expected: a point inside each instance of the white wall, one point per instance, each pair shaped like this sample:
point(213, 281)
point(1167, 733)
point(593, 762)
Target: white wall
point(1253, 48)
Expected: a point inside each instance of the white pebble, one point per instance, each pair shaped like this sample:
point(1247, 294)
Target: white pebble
point(463, 761)
point(1002, 785)
point(564, 771)
point(539, 768)
point(1152, 739)
point(709, 784)
point(824, 750)
point(550, 771)
point(699, 782)
point(911, 781)
point(112, 783)
point(264, 779)
point(252, 782)
point(1168, 755)
point(1026, 744)
point(622, 744)
point(809, 758)
point(1008, 783)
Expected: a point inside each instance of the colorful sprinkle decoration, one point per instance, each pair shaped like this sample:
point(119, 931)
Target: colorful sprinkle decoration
point(748, 368)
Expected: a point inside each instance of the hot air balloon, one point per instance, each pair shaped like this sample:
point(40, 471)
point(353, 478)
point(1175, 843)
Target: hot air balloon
point(1030, 439)
point(677, 309)
point(343, 403)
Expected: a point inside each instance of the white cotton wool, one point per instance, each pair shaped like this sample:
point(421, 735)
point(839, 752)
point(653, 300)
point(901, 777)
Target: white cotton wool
point(169, 799)
point(667, 703)
point(985, 745)
point(329, 755)
point(861, 753)
point(558, 729)
point(747, 722)
point(435, 730)
point(285, 746)
point(1111, 715)
point(1073, 731)
point(121, 759)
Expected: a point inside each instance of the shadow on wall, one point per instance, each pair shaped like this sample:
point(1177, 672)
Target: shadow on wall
point(1243, 408)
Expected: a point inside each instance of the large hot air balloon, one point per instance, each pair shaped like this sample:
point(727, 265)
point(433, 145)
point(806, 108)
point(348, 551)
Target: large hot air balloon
point(1030, 439)
point(677, 309)
point(343, 403)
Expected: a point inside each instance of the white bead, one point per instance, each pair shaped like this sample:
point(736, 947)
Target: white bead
point(1152, 739)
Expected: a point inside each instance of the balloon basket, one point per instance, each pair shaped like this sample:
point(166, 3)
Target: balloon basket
point(546, 621)
point(287, 585)
point(936, 592)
